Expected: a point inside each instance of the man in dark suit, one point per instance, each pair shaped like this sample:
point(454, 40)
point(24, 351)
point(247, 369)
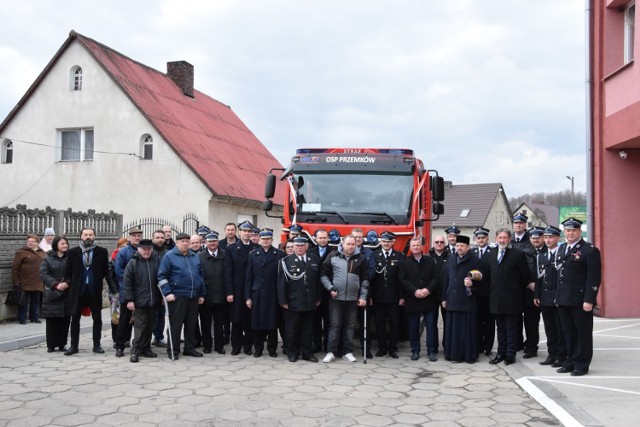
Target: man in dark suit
point(509, 276)
point(531, 314)
point(579, 276)
point(87, 267)
point(235, 274)
point(486, 333)
point(321, 316)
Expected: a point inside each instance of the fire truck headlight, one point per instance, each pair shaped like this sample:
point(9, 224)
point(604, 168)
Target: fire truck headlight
point(372, 237)
point(334, 236)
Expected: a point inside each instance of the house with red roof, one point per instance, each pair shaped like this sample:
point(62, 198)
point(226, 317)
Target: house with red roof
point(98, 130)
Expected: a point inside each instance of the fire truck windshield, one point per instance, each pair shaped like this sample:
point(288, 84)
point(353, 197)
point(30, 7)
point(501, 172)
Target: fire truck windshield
point(343, 195)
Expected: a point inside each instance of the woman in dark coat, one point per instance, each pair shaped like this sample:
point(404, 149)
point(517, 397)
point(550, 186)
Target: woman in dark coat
point(55, 305)
point(460, 301)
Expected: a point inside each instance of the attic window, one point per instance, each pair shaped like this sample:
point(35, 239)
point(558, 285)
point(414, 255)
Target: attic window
point(146, 147)
point(75, 78)
point(464, 213)
point(7, 151)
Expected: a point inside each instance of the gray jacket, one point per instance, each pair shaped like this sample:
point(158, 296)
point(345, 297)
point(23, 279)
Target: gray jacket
point(348, 276)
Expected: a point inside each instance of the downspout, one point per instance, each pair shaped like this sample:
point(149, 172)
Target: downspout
point(589, 122)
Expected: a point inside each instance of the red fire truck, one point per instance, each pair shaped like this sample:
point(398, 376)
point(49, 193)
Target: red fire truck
point(375, 189)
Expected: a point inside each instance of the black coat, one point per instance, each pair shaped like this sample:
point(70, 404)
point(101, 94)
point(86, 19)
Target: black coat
point(579, 276)
point(385, 283)
point(508, 281)
point(547, 282)
point(140, 281)
point(213, 270)
point(523, 244)
point(99, 269)
point(315, 250)
point(235, 274)
point(261, 286)
point(52, 271)
point(416, 275)
point(532, 260)
point(300, 293)
point(454, 292)
point(482, 288)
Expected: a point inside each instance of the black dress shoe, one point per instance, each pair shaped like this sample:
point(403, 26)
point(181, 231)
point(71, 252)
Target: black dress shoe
point(369, 355)
point(134, 358)
point(98, 349)
point(432, 357)
point(62, 348)
point(488, 352)
point(192, 353)
point(220, 351)
point(381, 353)
point(564, 370)
point(577, 373)
point(310, 359)
point(273, 354)
point(36, 321)
point(50, 349)
point(509, 360)
point(393, 354)
point(530, 355)
point(207, 350)
point(176, 356)
point(292, 358)
point(548, 361)
point(415, 355)
point(150, 354)
point(496, 360)
point(119, 352)
point(249, 352)
point(256, 354)
point(23, 322)
point(557, 364)
point(71, 350)
point(234, 352)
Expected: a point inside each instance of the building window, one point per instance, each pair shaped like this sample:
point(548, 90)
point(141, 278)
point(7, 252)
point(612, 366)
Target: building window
point(75, 80)
point(76, 145)
point(7, 151)
point(629, 31)
point(464, 213)
point(500, 217)
point(146, 147)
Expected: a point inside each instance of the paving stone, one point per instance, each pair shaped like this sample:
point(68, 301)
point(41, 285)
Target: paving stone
point(117, 419)
point(157, 417)
point(235, 415)
point(274, 413)
point(476, 422)
point(73, 420)
point(32, 421)
point(412, 419)
point(100, 409)
point(514, 418)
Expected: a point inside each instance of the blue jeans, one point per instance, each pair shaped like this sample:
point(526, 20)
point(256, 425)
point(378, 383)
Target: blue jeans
point(342, 320)
point(431, 330)
point(33, 304)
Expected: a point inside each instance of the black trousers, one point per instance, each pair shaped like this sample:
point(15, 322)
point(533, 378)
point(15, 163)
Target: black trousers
point(123, 333)
point(212, 325)
point(143, 322)
point(259, 336)
point(553, 329)
point(241, 336)
point(321, 327)
point(577, 329)
point(507, 326)
point(299, 328)
point(387, 314)
point(95, 304)
point(486, 333)
point(531, 318)
point(57, 331)
point(183, 312)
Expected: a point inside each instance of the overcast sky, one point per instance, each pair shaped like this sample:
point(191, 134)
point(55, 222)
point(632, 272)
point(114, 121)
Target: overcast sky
point(483, 91)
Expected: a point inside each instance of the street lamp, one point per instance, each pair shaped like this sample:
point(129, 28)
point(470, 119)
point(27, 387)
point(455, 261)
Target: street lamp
point(571, 178)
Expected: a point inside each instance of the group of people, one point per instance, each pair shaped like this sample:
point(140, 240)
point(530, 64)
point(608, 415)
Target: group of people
point(240, 289)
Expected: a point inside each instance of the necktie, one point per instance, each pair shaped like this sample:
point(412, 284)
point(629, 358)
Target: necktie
point(321, 251)
point(517, 239)
point(386, 255)
point(500, 256)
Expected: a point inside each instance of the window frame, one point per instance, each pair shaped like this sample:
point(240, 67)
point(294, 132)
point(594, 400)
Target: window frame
point(7, 152)
point(629, 31)
point(75, 78)
point(146, 141)
point(87, 145)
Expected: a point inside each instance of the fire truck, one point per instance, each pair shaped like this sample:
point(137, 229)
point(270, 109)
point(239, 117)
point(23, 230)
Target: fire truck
point(375, 189)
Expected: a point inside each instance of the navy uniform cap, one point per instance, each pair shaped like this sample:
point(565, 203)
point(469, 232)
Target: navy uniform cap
point(255, 231)
point(266, 233)
point(211, 236)
point(295, 228)
point(246, 225)
point(572, 223)
point(387, 235)
point(203, 230)
point(536, 231)
point(520, 217)
point(481, 231)
point(552, 231)
point(452, 230)
point(300, 240)
point(463, 239)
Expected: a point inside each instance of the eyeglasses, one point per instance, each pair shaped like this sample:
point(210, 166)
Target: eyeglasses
point(439, 242)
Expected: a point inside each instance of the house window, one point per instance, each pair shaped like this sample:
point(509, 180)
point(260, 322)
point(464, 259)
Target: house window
point(76, 145)
point(500, 217)
point(75, 80)
point(464, 213)
point(146, 147)
point(629, 31)
point(7, 151)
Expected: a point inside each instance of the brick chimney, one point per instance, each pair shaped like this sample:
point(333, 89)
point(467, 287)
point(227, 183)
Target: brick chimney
point(181, 72)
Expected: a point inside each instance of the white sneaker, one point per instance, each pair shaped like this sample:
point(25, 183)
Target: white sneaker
point(349, 357)
point(329, 358)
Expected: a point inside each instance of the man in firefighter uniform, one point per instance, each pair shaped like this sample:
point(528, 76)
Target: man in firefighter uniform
point(385, 294)
point(299, 293)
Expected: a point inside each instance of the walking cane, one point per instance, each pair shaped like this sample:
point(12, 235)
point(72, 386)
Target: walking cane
point(365, 334)
point(167, 327)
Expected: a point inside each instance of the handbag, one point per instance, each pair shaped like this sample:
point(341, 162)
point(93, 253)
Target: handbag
point(16, 296)
point(51, 294)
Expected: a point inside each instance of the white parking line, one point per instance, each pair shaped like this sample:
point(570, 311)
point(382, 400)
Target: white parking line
point(616, 328)
point(617, 390)
point(563, 416)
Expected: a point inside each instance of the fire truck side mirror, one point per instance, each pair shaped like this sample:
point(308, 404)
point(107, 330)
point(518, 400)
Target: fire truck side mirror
point(270, 186)
point(267, 205)
point(437, 188)
point(438, 208)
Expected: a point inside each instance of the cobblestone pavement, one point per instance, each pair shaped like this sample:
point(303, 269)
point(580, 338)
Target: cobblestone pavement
point(39, 388)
